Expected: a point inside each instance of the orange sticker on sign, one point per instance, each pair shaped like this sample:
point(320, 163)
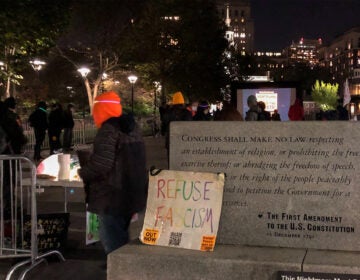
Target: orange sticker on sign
point(150, 236)
point(208, 243)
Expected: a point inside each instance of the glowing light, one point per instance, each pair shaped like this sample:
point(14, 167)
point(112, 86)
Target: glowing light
point(37, 64)
point(84, 71)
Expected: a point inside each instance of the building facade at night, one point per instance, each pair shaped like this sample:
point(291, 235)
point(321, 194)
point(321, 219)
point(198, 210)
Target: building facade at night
point(342, 57)
point(305, 51)
point(240, 26)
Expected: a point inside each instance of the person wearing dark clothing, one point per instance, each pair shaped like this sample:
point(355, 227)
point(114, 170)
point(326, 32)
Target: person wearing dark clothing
point(11, 124)
point(228, 113)
point(162, 111)
point(254, 109)
point(342, 113)
point(15, 141)
point(202, 112)
point(38, 120)
point(263, 114)
point(115, 174)
point(176, 112)
point(276, 116)
point(68, 127)
point(56, 124)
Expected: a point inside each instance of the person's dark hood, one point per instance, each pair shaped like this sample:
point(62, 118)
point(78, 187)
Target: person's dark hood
point(125, 122)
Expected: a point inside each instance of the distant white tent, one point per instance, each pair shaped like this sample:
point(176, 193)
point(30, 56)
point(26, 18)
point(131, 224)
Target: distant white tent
point(347, 96)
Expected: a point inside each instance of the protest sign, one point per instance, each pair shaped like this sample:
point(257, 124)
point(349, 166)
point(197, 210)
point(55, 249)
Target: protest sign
point(183, 209)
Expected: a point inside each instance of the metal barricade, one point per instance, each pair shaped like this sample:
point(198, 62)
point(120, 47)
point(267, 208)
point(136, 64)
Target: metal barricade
point(18, 239)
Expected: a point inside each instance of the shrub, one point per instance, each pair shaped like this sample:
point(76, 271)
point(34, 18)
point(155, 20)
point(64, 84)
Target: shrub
point(325, 95)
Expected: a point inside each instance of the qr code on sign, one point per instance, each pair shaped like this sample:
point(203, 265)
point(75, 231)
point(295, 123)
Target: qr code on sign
point(175, 238)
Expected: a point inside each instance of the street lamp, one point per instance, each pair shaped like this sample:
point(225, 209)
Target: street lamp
point(37, 64)
point(84, 71)
point(132, 80)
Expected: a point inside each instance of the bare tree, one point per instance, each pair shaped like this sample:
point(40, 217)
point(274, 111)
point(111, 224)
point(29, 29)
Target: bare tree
point(96, 40)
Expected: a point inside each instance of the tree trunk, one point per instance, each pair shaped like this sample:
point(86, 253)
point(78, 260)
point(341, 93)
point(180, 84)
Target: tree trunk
point(8, 85)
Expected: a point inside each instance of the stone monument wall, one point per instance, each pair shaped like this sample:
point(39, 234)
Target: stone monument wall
point(288, 184)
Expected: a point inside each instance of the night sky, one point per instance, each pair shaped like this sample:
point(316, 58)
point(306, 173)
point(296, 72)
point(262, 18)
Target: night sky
point(279, 22)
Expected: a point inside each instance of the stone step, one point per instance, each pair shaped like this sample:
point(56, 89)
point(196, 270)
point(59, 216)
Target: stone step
point(139, 261)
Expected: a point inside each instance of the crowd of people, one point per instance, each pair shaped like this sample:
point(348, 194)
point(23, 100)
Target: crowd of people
point(55, 122)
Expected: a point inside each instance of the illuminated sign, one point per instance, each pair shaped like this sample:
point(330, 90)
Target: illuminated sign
point(270, 98)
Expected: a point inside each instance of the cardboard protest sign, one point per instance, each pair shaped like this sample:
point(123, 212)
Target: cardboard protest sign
point(183, 209)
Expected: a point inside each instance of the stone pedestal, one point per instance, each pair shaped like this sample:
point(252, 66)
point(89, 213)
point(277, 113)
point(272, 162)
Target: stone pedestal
point(138, 261)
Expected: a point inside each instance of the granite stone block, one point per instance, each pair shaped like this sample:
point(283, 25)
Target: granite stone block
point(288, 184)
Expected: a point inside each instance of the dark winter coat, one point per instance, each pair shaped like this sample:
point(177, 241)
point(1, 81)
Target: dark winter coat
point(172, 114)
point(38, 119)
point(56, 120)
point(68, 119)
point(16, 138)
point(116, 172)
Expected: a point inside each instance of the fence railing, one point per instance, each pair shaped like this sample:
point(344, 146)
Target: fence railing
point(18, 214)
point(84, 132)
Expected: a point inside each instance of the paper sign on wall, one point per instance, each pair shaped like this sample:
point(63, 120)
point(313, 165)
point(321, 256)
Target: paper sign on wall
point(183, 209)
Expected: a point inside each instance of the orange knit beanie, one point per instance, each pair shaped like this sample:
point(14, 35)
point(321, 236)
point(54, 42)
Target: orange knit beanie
point(106, 106)
point(178, 98)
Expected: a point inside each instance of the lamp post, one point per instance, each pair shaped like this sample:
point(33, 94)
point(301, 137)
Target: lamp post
point(84, 71)
point(37, 65)
point(132, 80)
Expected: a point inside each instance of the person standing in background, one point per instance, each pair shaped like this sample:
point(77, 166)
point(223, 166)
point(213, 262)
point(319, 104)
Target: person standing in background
point(253, 113)
point(68, 127)
point(228, 113)
point(276, 116)
point(176, 112)
point(56, 124)
point(11, 124)
point(38, 120)
point(202, 112)
point(15, 141)
point(296, 111)
point(263, 115)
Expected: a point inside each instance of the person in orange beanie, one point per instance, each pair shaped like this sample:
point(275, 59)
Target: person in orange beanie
point(176, 112)
point(178, 99)
point(106, 105)
point(115, 175)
